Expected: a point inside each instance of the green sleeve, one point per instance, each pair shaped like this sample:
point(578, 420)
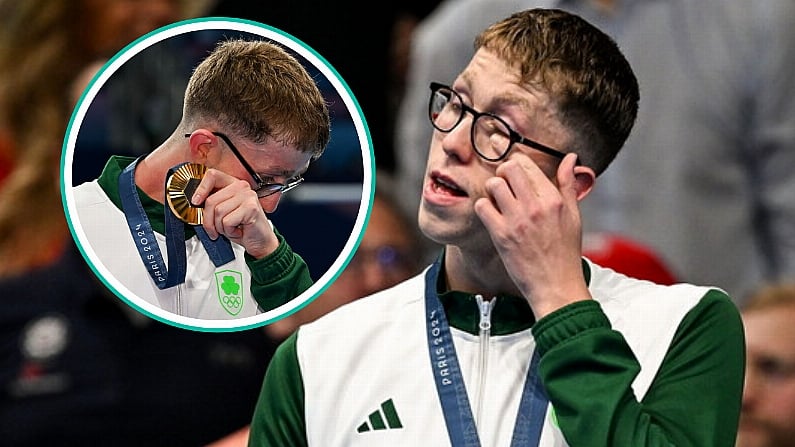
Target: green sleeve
point(278, 277)
point(279, 414)
point(694, 400)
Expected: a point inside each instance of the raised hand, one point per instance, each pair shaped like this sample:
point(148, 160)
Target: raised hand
point(535, 225)
point(232, 208)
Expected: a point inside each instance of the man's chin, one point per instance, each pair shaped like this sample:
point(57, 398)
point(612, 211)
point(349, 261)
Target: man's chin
point(434, 232)
point(441, 230)
point(433, 223)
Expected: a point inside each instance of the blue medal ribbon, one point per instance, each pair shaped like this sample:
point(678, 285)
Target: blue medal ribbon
point(450, 387)
point(219, 250)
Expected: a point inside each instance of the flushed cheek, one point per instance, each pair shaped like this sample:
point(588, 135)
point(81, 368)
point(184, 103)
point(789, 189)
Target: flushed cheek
point(483, 187)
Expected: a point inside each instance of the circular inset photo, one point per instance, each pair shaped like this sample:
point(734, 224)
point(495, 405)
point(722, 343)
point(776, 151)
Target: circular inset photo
point(217, 174)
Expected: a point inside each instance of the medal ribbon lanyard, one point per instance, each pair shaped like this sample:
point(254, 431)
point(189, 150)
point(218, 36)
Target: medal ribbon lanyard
point(450, 385)
point(220, 250)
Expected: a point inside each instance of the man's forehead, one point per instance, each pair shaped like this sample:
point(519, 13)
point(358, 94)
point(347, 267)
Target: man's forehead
point(503, 94)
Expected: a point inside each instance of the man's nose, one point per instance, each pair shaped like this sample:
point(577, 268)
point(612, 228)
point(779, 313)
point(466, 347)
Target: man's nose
point(457, 143)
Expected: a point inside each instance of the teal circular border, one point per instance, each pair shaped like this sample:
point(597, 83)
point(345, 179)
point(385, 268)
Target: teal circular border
point(282, 38)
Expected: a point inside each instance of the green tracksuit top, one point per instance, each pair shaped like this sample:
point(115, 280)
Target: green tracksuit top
point(640, 365)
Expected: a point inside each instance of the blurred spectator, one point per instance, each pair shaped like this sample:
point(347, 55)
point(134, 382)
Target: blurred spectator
point(768, 411)
point(705, 179)
point(44, 45)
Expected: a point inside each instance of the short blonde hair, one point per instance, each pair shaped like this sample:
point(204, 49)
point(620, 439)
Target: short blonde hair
point(583, 71)
point(256, 90)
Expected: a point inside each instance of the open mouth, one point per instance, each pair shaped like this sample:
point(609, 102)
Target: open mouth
point(442, 185)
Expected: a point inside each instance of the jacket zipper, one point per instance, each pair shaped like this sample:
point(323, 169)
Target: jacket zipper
point(485, 308)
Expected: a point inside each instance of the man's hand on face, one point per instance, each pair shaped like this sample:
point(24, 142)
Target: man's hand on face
point(232, 209)
point(535, 226)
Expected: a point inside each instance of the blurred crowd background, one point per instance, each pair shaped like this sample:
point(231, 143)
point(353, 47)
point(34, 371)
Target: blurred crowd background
point(704, 192)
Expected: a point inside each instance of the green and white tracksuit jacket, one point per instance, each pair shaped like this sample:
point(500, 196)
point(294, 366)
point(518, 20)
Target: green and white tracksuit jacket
point(640, 365)
point(241, 288)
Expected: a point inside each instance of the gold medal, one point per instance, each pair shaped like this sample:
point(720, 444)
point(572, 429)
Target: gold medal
point(179, 190)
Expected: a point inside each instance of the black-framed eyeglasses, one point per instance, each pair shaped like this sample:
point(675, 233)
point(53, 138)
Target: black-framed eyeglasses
point(263, 189)
point(492, 138)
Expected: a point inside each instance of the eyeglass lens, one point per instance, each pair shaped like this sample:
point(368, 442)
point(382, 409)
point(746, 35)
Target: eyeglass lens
point(262, 189)
point(490, 135)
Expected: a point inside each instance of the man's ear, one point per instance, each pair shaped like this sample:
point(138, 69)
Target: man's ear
point(202, 144)
point(584, 180)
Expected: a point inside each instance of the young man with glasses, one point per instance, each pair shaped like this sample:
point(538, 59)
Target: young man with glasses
point(512, 337)
point(253, 120)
